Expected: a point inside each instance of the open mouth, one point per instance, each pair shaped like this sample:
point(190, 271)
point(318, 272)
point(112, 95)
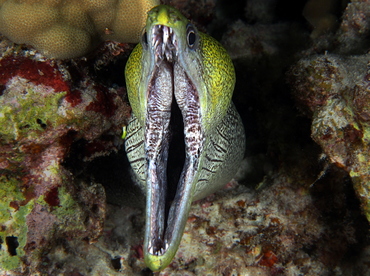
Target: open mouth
point(169, 86)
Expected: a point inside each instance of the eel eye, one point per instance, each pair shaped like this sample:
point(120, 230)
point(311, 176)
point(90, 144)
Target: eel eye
point(144, 38)
point(191, 36)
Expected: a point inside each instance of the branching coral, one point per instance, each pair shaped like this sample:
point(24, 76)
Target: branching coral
point(71, 28)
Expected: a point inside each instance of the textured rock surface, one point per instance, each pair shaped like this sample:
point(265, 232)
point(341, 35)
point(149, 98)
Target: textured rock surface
point(334, 90)
point(43, 116)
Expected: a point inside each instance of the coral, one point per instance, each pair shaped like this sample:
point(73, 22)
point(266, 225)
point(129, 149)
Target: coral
point(45, 114)
point(260, 231)
point(321, 15)
point(279, 230)
point(68, 29)
point(245, 40)
point(352, 35)
point(261, 11)
point(335, 90)
point(332, 89)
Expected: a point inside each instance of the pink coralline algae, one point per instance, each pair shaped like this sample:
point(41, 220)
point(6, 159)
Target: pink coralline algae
point(34, 71)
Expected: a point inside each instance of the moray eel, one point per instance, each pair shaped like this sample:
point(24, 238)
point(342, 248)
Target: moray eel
point(177, 71)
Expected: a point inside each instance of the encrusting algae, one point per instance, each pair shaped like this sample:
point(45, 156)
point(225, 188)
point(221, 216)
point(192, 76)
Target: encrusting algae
point(43, 114)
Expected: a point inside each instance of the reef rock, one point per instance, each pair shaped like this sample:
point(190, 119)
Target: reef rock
point(46, 117)
point(333, 89)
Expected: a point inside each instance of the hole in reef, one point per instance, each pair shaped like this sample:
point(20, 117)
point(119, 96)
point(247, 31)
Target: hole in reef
point(12, 244)
point(41, 123)
point(116, 262)
point(146, 272)
point(2, 89)
point(24, 126)
point(95, 208)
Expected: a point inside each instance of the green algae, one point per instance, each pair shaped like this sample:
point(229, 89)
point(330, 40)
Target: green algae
point(28, 113)
point(366, 134)
point(13, 221)
point(8, 192)
point(362, 188)
point(68, 211)
point(41, 201)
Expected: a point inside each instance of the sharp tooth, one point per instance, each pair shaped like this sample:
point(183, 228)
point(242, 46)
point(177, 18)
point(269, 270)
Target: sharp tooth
point(155, 42)
point(174, 40)
point(150, 250)
point(165, 39)
point(162, 251)
point(169, 55)
point(165, 34)
point(163, 49)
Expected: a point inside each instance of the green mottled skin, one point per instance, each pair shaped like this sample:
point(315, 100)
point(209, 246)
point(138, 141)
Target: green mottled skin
point(211, 71)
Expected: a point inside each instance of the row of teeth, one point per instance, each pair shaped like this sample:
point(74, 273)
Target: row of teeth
point(164, 42)
point(158, 252)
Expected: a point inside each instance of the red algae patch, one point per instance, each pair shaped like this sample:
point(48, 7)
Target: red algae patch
point(38, 72)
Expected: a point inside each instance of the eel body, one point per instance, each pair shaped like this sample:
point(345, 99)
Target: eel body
point(180, 83)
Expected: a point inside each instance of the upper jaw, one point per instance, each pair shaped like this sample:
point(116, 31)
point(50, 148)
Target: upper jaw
point(169, 81)
point(165, 43)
